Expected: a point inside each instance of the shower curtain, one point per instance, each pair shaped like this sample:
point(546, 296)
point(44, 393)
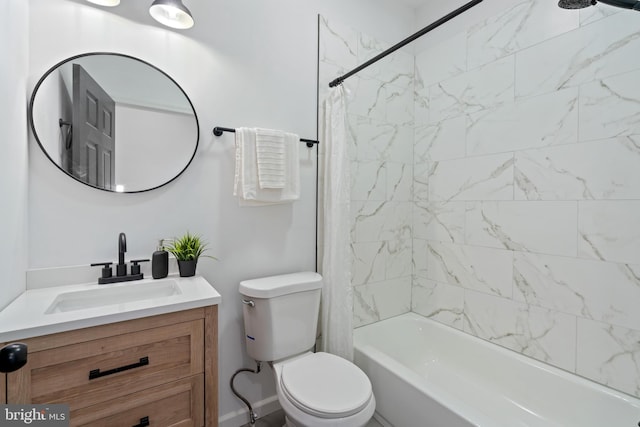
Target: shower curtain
point(337, 297)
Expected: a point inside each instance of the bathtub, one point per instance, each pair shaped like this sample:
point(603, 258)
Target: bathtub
point(425, 374)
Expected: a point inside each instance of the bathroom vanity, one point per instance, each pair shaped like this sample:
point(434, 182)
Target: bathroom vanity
point(151, 362)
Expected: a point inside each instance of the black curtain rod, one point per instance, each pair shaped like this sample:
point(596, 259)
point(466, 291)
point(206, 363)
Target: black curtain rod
point(217, 131)
point(406, 41)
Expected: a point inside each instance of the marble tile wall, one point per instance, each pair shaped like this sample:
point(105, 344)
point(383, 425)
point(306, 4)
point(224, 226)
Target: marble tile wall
point(526, 214)
point(496, 183)
point(381, 134)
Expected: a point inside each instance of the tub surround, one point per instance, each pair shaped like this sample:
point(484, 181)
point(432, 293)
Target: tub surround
point(27, 315)
point(529, 142)
point(520, 159)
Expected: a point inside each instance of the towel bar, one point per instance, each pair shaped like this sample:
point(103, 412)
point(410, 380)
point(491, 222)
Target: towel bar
point(218, 130)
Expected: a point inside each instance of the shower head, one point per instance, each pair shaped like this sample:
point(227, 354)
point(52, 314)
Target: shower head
point(580, 4)
point(576, 4)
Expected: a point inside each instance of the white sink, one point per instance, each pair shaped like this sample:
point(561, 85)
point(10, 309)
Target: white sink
point(105, 295)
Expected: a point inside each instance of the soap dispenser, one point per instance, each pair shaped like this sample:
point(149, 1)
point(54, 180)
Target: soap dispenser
point(160, 262)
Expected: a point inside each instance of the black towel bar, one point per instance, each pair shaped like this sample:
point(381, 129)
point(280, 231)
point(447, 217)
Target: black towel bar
point(218, 130)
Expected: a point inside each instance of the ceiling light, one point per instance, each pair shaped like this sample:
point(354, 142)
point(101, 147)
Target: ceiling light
point(109, 3)
point(171, 13)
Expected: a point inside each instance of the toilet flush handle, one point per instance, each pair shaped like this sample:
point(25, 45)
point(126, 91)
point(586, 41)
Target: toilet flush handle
point(249, 303)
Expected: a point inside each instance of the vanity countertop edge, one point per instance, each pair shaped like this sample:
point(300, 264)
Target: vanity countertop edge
point(26, 316)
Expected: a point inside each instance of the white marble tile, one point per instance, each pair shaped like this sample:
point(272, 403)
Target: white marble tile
point(610, 106)
point(606, 169)
point(609, 355)
point(368, 180)
point(437, 301)
point(480, 89)
point(399, 103)
point(485, 270)
point(378, 140)
point(380, 220)
point(601, 49)
point(522, 25)
point(542, 334)
point(543, 227)
point(397, 68)
point(338, 44)
point(597, 290)
point(420, 102)
point(367, 220)
point(368, 262)
point(352, 124)
point(440, 141)
point(399, 256)
point(592, 14)
point(368, 97)
point(439, 221)
point(609, 231)
point(530, 123)
point(443, 61)
point(381, 300)
point(421, 174)
point(473, 178)
point(399, 181)
point(420, 250)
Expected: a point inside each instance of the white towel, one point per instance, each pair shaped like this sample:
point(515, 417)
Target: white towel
point(246, 183)
point(270, 156)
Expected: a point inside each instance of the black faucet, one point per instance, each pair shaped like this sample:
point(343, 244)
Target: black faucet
point(121, 267)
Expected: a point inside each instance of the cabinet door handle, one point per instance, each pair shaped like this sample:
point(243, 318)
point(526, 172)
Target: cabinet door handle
point(144, 422)
point(95, 373)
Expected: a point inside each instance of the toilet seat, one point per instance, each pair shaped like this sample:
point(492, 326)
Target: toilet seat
point(325, 386)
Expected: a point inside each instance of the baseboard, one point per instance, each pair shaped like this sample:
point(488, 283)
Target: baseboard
point(379, 418)
point(241, 417)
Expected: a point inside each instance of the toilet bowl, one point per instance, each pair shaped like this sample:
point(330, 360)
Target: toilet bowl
point(314, 389)
point(323, 390)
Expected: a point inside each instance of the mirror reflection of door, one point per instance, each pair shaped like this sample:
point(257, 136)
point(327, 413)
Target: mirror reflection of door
point(93, 146)
point(156, 130)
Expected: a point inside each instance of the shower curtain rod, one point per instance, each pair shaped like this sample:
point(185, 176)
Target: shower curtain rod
point(406, 41)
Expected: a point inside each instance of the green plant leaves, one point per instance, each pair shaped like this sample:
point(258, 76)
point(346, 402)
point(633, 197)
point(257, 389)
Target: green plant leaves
point(187, 247)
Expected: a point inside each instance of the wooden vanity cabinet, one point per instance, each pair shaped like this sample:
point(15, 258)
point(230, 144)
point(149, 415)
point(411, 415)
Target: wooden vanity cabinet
point(158, 371)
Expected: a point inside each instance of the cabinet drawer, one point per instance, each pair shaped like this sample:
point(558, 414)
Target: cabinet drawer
point(177, 404)
point(62, 374)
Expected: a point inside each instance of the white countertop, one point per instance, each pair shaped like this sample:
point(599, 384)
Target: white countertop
point(27, 315)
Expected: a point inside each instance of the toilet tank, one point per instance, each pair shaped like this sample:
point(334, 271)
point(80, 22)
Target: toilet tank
point(280, 314)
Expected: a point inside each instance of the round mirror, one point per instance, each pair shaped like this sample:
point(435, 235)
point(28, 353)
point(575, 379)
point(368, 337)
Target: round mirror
point(114, 122)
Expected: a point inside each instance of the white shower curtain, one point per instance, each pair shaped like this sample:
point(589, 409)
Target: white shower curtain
point(337, 296)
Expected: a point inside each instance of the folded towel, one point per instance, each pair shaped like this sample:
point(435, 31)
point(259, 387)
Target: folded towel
point(246, 183)
point(270, 156)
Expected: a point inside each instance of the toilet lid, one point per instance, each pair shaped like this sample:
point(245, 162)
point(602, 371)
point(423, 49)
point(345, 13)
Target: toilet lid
point(325, 385)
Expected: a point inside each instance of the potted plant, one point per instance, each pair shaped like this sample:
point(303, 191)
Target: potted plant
point(187, 249)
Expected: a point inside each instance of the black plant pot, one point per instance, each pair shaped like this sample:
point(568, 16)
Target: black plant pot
point(187, 268)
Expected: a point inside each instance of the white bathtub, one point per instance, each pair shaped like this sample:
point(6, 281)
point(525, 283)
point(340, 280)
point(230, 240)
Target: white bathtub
point(425, 374)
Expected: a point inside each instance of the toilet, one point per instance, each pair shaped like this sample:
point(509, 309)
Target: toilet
point(314, 389)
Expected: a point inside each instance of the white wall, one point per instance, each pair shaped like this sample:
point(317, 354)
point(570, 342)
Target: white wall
point(244, 63)
point(52, 104)
point(13, 161)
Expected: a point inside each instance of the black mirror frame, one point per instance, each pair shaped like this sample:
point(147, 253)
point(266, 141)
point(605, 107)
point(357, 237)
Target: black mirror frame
point(122, 55)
